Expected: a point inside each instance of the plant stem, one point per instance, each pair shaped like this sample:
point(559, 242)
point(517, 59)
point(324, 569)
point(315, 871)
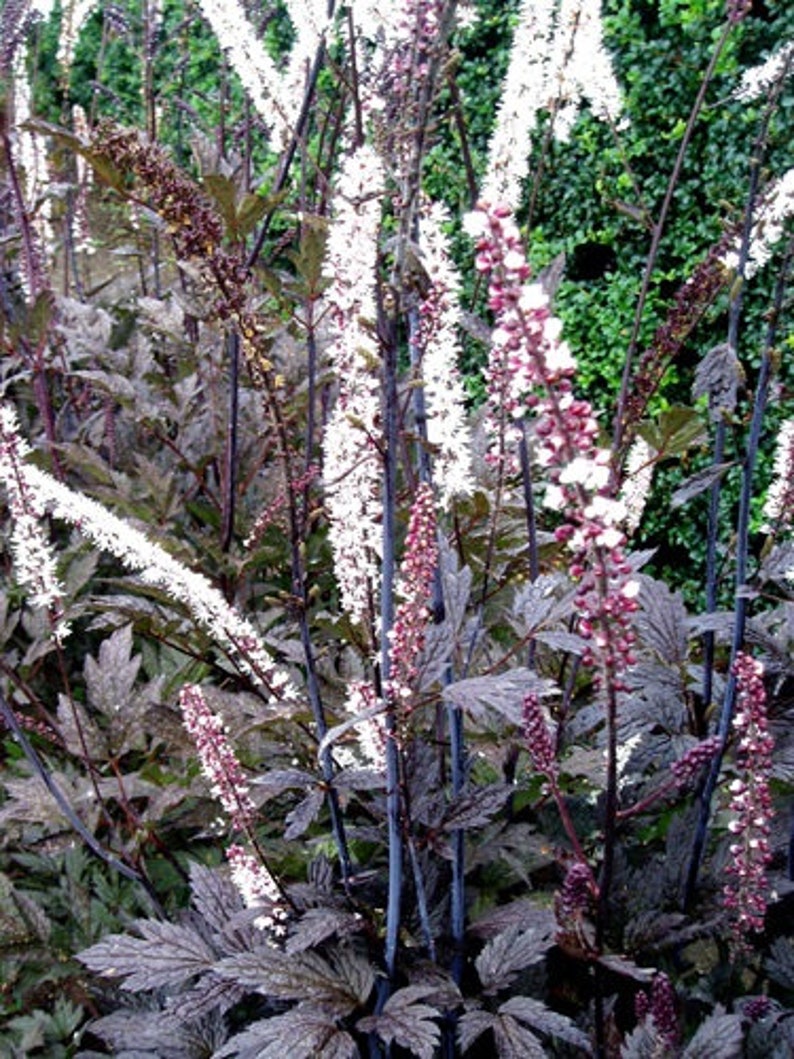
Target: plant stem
point(740, 585)
point(658, 230)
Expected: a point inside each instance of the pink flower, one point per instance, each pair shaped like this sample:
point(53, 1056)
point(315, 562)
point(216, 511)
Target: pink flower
point(745, 895)
point(218, 760)
point(529, 374)
point(415, 587)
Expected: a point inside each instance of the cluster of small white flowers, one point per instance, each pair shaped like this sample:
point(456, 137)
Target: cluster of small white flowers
point(34, 560)
point(637, 478)
point(447, 429)
point(375, 21)
point(523, 95)
point(156, 567)
point(257, 887)
point(582, 68)
point(557, 59)
point(779, 504)
point(352, 461)
point(370, 731)
point(777, 206)
point(275, 94)
point(759, 79)
point(74, 15)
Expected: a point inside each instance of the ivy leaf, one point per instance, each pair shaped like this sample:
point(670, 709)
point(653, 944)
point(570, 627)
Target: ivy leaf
point(719, 1037)
point(305, 1032)
point(406, 1022)
point(167, 954)
point(510, 952)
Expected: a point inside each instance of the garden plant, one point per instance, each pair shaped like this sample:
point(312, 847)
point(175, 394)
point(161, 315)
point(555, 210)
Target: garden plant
point(396, 504)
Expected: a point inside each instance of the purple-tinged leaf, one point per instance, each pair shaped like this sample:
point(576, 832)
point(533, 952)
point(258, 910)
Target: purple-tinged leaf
point(270, 784)
point(406, 1022)
point(473, 1024)
point(719, 1037)
point(305, 1032)
point(304, 814)
point(167, 954)
point(341, 985)
point(214, 896)
point(718, 377)
point(475, 808)
point(210, 993)
point(514, 1040)
point(158, 1035)
point(523, 914)
point(642, 1043)
point(509, 953)
point(698, 483)
point(318, 924)
point(111, 678)
point(661, 622)
point(534, 1013)
point(502, 693)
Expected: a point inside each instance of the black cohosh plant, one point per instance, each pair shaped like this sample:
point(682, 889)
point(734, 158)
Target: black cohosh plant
point(381, 736)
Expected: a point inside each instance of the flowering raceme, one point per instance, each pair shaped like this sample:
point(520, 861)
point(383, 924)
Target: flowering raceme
point(153, 565)
point(557, 60)
point(415, 587)
point(447, 430)
point(779, 505)
point(750, 805)
point(352, 466)
point(34, 560)
point(530, 370)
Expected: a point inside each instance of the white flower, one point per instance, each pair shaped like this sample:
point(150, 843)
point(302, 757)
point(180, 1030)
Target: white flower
point(350, 443)
point(156, 567)
point(776, 207)
point(589, 473)
point(637, 481)
point(34, 559)
point(557, 60)
point(780, 496)
point(447, 428)
point(757, 80)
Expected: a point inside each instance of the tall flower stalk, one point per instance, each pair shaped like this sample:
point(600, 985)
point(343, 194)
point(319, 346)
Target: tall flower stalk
point(530, 373)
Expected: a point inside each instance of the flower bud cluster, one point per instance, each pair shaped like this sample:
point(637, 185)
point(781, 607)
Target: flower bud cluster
point(407, 636)
point(218, 760)
point(530, 370)
point(687, 769)
point(538, 737)
point(660, 1010)
point(750, 805)
point(197, 233)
